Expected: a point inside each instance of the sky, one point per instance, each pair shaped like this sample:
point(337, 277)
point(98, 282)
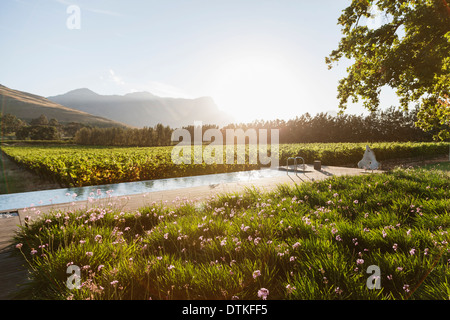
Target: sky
point(257, 59)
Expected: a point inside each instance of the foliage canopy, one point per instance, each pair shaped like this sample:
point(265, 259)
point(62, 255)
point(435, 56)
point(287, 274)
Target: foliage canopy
point(409, 52)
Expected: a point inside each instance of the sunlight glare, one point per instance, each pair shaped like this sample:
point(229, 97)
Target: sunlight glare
point(254, 87)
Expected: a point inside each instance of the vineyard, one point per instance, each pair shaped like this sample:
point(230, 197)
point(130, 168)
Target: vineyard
point(83, 166)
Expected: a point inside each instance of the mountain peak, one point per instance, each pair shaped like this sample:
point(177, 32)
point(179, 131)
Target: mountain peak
point(82, 92)
point(141, 95)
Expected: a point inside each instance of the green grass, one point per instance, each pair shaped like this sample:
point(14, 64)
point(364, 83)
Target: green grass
point(439, 166)
point(311, 241)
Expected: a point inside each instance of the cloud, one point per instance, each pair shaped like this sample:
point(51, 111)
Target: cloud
point(118, 80)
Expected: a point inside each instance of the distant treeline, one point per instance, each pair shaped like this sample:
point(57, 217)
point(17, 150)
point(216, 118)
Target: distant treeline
point(40, 128)
point(158, 135)
point(382, 126)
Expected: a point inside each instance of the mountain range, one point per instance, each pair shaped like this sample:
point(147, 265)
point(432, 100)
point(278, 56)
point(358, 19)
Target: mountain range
point(27, 106)
point(143, 109)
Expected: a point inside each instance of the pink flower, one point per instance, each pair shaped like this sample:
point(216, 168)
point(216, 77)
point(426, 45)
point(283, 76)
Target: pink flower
point(89, 254)
point(263, 293)
point(412, 251)
point(19, 246)
point(256, 274)
point(171, 267)
point(290, 288)
point(359, 261)
point(296, 245)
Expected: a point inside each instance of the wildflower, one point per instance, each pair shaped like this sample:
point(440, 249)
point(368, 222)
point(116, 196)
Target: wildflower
point(19, 246)
point(166, 236)
point(338, 238)
point(412, 251)
point(223, 242)
point(408, 233)
point(89, 254)
point(171, 267)
point(359, 261)
point(425, 252)
point(290, 288)
point(395, 247)
point(338, 290)
point(335, 195)
point(355, 202)
point(399, 268)
point(291, 259)
point(114, 282)
point(389, 277)
point(256, 274)
point(100, 267)
point(98, 238)
point(406, 287)
point(296, 245)
point(263, 293)
point(33, 251)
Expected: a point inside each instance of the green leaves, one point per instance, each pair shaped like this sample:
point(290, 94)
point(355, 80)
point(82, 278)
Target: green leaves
point(409, 52)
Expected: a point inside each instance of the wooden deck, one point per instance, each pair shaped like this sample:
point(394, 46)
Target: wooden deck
point(13, 269)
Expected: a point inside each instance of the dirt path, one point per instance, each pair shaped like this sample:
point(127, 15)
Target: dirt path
point(16, 179)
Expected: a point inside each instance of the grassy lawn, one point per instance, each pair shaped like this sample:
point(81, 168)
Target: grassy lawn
point(313, 241)
point(439, 166)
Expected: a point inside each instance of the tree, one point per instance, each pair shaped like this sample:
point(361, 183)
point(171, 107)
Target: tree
point(43, 133)
point(41, 121)
point(409, 52)
point(10, 123)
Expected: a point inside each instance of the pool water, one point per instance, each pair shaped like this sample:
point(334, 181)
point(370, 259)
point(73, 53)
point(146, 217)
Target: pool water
point(16, 201)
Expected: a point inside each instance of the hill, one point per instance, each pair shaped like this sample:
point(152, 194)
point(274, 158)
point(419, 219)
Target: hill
point(143, 109)
point(27, 106)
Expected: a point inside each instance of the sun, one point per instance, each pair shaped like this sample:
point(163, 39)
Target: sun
point(256, 87)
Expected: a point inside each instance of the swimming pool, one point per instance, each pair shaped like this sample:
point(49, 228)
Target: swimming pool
point(16, 201)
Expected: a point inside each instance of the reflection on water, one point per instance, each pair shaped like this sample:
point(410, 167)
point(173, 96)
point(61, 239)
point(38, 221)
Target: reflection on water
point(64, 195)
